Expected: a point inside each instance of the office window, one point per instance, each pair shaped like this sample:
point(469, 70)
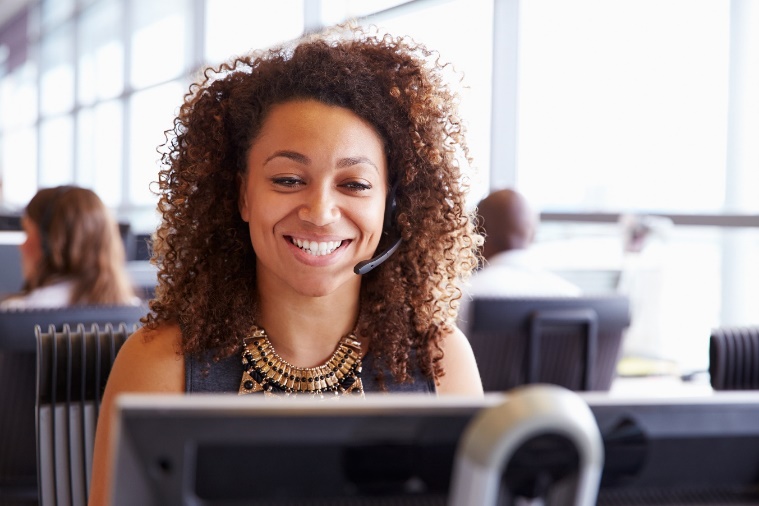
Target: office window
point(623, 104)
point(336, 11)
point(18, 158)
point(18, 98)
point(151, 113)
point(647, 107)
point(100, 150)
point(160, 49)
point(18, 137)
point(234, 27)
point(56, 151)
point(101, 57)
point(462, 33)
point(53, 12)
point(57, 71)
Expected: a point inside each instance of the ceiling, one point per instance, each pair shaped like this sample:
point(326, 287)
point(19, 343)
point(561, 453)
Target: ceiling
point(9, 8)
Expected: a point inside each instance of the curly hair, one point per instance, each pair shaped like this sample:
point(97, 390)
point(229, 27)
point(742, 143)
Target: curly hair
point(206, 263)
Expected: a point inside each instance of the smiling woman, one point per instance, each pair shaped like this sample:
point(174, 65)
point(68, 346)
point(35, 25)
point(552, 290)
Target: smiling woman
point(287, 170)
point(315, 183)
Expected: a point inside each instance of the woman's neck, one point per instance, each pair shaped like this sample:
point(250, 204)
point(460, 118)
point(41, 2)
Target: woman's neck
point(306, 330)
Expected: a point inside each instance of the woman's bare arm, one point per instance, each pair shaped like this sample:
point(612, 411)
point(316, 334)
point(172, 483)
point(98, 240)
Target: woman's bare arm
point(462, 377)
point(142, 366)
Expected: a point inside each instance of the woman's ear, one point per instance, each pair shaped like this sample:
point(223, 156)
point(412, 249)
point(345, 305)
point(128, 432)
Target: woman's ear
point(242, 198)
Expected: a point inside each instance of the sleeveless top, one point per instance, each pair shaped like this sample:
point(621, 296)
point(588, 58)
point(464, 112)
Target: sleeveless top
point(224, 376)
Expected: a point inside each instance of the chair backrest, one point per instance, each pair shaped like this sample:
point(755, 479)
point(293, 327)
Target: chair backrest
point(18, 350)
point(734, 358)
point(569, 341)
point(72, 369)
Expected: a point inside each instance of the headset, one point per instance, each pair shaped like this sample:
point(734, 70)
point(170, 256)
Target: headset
point(388, 228)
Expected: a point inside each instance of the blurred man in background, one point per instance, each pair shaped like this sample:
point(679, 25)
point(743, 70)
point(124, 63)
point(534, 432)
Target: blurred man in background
point(509, 225)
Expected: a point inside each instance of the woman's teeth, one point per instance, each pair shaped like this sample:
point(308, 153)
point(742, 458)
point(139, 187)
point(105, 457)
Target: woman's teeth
point(317, 248)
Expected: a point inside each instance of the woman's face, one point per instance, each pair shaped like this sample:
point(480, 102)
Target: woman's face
point(31, 248)
point(314, 197)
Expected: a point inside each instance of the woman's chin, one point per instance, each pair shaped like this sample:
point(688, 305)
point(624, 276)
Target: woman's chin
point(324, 287)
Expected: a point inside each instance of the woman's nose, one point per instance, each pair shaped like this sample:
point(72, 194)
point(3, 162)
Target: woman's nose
point(320, 208)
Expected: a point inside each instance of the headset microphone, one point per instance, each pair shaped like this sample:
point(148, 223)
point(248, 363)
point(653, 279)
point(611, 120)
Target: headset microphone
point(367, 265)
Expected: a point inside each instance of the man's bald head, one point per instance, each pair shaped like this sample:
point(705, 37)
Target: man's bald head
point(507, 221)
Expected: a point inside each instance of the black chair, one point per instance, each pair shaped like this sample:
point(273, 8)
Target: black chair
point(734, 358)
point(10, 221)
point(72, 369)
point(18, 349)
point(573, 342)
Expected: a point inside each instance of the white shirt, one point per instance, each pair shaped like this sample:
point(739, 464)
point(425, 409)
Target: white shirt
point(48, 296)
point(512, 274)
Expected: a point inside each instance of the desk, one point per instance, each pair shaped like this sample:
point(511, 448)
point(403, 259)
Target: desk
point(648, 387)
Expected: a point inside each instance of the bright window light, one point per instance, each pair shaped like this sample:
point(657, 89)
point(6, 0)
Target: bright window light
point(623, 104)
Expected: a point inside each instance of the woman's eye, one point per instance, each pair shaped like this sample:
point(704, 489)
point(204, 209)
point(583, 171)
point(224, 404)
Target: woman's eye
point(357, 186)
point(287, 182)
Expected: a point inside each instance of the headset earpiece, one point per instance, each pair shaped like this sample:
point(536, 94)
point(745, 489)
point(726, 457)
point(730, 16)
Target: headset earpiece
point(388, 228)
point(390, 207)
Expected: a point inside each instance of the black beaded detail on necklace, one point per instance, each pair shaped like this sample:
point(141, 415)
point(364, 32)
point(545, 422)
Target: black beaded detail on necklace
point(265, 371)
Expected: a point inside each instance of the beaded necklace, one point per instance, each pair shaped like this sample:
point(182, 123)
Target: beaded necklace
point(265, 371)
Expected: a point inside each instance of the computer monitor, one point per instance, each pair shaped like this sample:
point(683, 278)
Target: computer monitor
point(221, 449)
point(399, 449)
point(573, 342)
point(11, 277)
point(701, 449)
point(10, 220)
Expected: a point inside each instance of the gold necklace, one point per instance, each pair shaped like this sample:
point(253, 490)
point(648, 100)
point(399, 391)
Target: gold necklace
point(265, 371)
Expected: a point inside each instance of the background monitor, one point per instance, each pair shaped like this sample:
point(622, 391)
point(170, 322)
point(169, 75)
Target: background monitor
point(399, 449)
point(11, 278)
point(574, 342)
point(10, 221)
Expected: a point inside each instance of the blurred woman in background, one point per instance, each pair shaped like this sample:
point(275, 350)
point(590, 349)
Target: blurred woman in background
point(73, 253)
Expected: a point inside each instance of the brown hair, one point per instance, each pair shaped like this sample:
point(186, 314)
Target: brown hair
point(206, 264)
point(80, 242)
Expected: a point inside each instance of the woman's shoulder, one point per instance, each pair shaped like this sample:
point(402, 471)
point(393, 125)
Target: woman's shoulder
point(164, 338)
point(150, 360)
point(461, 375)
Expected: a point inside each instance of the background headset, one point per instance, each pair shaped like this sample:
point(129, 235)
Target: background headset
point(389, 228)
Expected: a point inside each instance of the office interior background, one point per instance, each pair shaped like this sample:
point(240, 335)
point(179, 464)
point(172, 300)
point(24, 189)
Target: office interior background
point(618, 119)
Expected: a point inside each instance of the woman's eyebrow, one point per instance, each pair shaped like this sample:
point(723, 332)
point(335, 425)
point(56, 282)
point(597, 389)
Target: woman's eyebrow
point(303, 159)
point(355, 160)
point(292, 155)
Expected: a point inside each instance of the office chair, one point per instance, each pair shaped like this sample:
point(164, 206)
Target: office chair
point(72, 370)
point(18, 349)
point(734, 358)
